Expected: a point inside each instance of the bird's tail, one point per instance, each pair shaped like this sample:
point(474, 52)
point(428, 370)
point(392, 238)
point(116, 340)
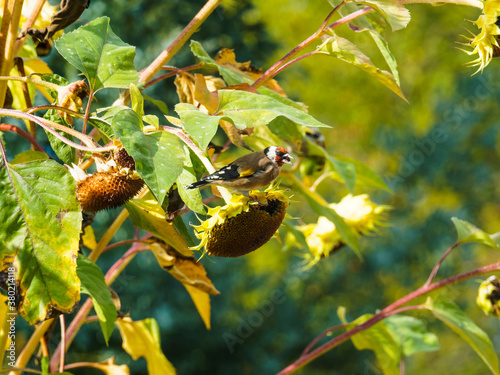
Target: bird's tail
point(197, 184)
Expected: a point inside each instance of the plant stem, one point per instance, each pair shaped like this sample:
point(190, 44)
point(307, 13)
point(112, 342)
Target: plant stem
point(71, 333)
point(63, 342)
point(320, 336)
point(87, 112)
point(183, 37)
point(174, 72)
point(8, 33)
point(124, 242)
point(79, 319)
point(273, 70)
point(28, 79)
point(35, 11)
point(103, 242)
point(23, 369)
point(389, 310)
point(48, 125)
point(27, 99)
point(18, 130)
point(438, 264)
point(31, 345)
point(153, 68)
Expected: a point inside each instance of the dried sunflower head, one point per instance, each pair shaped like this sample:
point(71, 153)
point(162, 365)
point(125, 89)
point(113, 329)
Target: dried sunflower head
point(112, 185)
point(485, 44)
point(488, 297)
point(244, 225)
point(323, 237)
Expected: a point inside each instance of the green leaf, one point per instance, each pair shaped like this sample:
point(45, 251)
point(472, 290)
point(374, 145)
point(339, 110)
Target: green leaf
point(299, 236)
point(202, 55)
point(246, 110)
point(318, 205)
point(158, 156)
point(364, 175)
point(470, 233)
point(344, 50)
point(40, 224)
point(377, 339)
point(453, 317)
point(351, 171)
point(287, 129)
point(191, 197)
point(63, 151)
point(158, 103)
point(411, 335)
point(347, 171)
point(374, 24)
point(27, 156)
point(199, 125)
point(104, 128)
point(94, 285)
point(183, 230)
point(152, 120)
point(100, 55)
point(393, 11)
point(136, 100)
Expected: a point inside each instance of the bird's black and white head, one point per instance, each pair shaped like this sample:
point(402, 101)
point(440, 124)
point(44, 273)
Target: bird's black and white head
point(278, 155)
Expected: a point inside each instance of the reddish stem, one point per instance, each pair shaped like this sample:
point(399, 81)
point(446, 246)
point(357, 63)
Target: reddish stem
point(438, 264)
point(389, 310)
point(124, 242)
point(173, 72)
point(87, 112)
point(25, 134)
point(272, 71)
point(80, 317)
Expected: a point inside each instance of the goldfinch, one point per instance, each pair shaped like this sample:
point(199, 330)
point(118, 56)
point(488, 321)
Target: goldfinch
point(249, 172)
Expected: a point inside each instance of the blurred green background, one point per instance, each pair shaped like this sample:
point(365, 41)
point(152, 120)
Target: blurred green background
point(456, 177)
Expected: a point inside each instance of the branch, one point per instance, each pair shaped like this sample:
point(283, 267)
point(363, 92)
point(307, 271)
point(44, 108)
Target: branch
point(80, 317)
point(148, 73)
point(389, 310)
point(18, 130)
point(438, 264)
point(10, 23)
point(36, 82)
point(48, 125)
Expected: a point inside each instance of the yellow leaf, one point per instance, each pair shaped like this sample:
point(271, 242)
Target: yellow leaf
point(110, 368)
point(142, 339)
point(38, 66)
point(147, 214)
point(201, 301)
point(186, 270)
point(88, 238)
point(227, 59)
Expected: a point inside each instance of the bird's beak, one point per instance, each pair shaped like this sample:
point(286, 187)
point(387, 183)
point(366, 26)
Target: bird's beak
point(287, 159)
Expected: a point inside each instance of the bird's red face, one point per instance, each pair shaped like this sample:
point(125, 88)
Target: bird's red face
point(282, 156)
